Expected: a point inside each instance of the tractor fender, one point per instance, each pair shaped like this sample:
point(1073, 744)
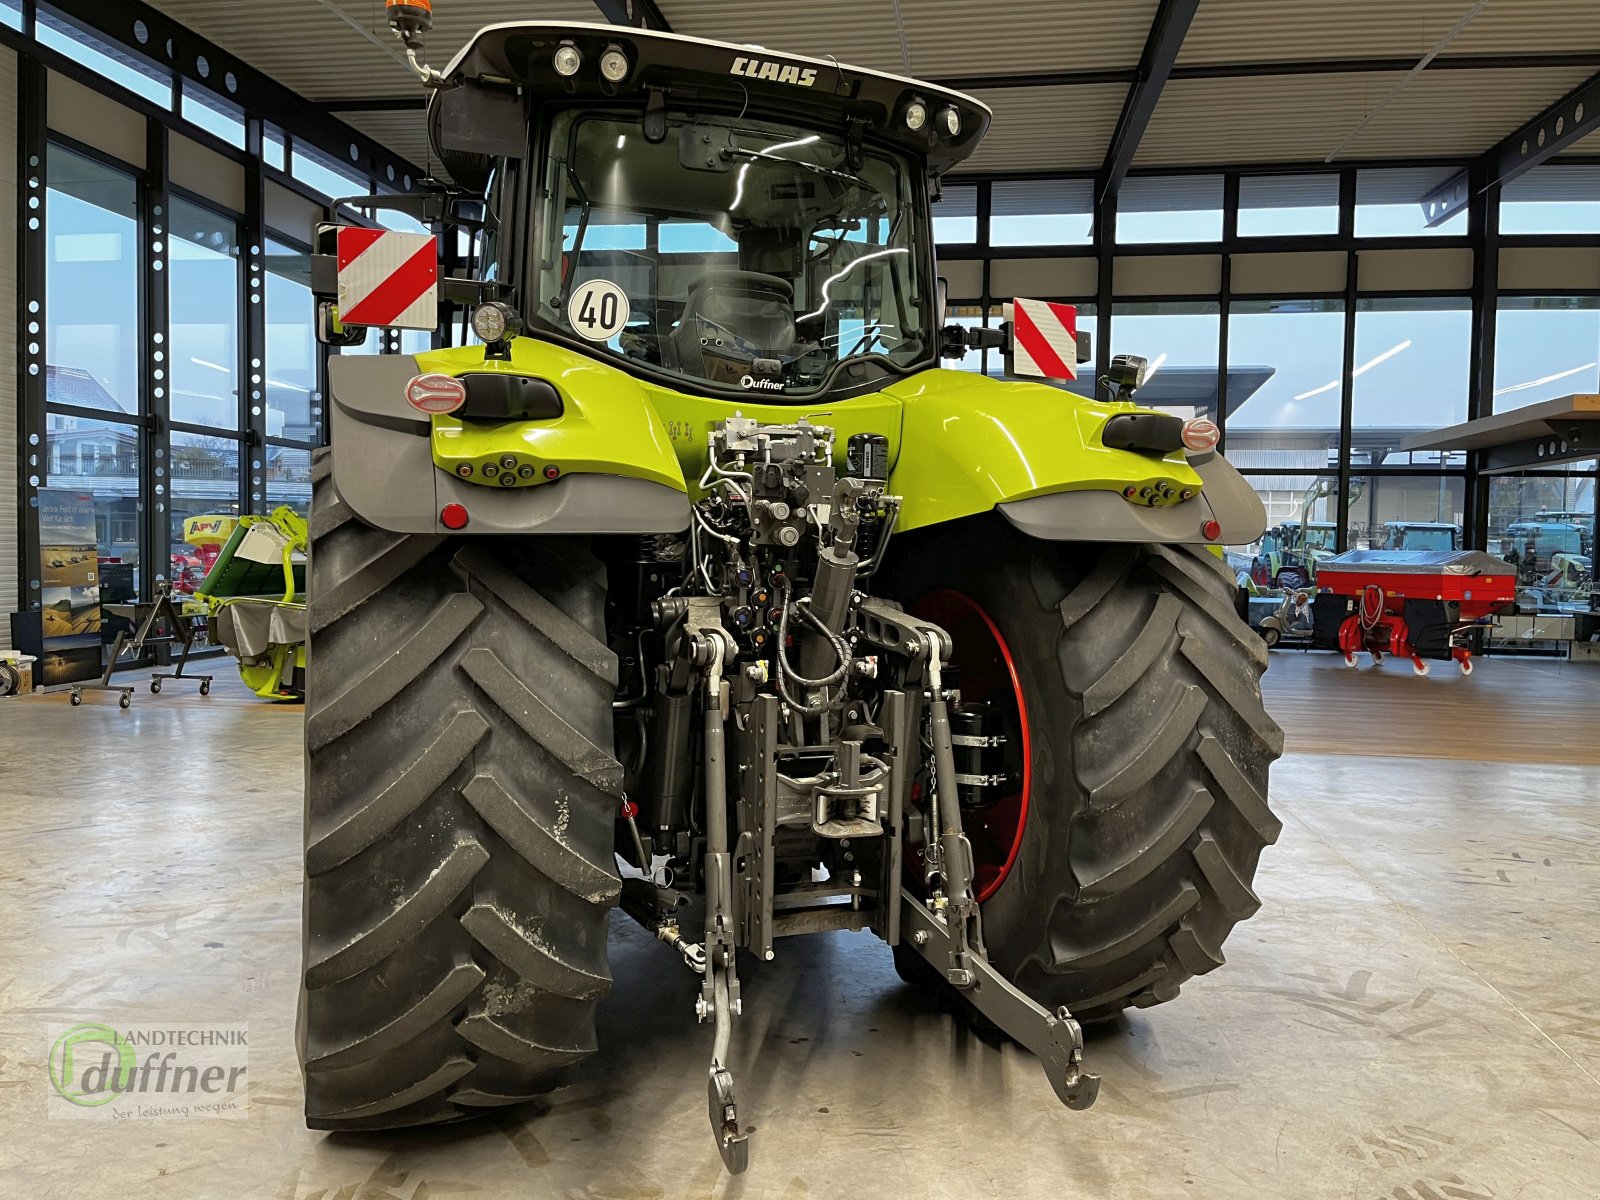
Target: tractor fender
point(1106, 517)
point(383, 468)
point(970, 444)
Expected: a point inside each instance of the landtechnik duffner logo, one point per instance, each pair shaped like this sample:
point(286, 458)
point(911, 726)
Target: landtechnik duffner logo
point(148, 1071)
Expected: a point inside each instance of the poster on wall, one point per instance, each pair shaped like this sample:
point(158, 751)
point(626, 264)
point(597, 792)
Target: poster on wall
point(70, 579)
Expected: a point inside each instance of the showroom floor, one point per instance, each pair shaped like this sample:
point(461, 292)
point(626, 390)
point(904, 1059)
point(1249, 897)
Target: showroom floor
point(1414, 1015)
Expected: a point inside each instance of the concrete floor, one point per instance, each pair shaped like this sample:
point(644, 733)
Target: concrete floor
point(1414, 1014)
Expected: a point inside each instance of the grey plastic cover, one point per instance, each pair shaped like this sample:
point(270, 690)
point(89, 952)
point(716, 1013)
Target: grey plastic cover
point(1416, 562)
point(250, 628)
point(383, 469)
point(1107, 517)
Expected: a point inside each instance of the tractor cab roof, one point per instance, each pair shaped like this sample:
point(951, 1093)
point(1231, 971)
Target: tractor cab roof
point(694, 71)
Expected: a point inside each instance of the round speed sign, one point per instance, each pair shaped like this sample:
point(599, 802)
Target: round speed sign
point(597, 310)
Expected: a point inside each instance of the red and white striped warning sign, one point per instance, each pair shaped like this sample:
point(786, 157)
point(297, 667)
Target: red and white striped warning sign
point(1044, 339)
point(388, 278)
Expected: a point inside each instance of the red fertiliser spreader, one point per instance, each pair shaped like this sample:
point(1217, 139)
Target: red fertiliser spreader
point(1415, 604)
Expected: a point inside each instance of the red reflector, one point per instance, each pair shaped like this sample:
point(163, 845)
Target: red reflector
point(1201, 434)
point(435, 393)
point(1211, 530)
point(552, 471)
point(453, 516)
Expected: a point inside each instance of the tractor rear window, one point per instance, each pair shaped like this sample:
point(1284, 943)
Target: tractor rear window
point(736, 253)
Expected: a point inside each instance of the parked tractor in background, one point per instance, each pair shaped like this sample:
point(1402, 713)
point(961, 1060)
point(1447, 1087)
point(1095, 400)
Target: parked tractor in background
point(1420, 535)
point(1583, 519)
point(701, 560)
point(1291, 552)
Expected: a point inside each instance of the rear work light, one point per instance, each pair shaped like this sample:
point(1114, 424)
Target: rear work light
point(1201, 434)
point(566, 60)
point(435, 393)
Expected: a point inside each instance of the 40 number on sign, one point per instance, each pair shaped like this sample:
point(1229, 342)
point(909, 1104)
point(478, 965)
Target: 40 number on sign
point(597, 310)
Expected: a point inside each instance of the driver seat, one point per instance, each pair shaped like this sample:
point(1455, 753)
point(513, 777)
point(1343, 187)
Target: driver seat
point(732, 314)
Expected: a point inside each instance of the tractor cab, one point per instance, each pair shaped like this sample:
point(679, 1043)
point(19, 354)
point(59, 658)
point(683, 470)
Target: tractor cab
point(1421, 535)
point(707, 216)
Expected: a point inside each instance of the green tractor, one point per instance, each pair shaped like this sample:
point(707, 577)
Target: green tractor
point(698, 587)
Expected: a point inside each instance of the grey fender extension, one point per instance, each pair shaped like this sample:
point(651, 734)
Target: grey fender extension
point(1107, 517)
point(384, 471)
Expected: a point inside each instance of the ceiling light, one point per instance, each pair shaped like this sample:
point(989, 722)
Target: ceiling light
point(1361, 370)
point(1384, 357)
point(1540, 382)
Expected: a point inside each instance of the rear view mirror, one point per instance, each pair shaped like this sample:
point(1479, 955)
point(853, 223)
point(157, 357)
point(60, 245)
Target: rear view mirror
point(943, 302)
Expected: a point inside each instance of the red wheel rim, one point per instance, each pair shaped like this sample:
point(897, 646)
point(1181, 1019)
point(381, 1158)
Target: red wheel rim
point(987, 672)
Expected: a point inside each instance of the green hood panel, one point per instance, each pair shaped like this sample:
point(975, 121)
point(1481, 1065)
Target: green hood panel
point(969, 442)
point(959, 443)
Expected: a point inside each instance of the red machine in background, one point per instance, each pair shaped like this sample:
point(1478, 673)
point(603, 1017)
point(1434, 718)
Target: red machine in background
point(1415, 604)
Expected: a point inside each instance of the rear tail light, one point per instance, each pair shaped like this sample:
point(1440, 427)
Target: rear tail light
point(1201, 434)
point(435, 393)
point(453, 516)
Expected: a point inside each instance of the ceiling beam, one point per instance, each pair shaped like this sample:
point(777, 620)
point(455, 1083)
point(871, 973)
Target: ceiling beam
point(1573, 116)
point(1160, 55)
point(1319, 66)
point(372, 104)
point(641, 14)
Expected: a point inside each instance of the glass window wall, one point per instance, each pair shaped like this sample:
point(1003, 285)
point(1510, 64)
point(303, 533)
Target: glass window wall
point(1055, 212)
point(91, 285)
point(205, 482)
point(1406, 512)
point(102, 459)
point(92, 355)
point(955, 216)
point(289, 478)
point(1285, 383)
point(203, 278)
point(1179, 338)
point(1177, 208)
point(1555, 198)
point(212, 113)
point(1299, 534)
point(293, 401)
point(1545, 347)
point(1389, 203)
point(1543, 524)
point(1288, 205)
point(1412, 358)
point(106, 60)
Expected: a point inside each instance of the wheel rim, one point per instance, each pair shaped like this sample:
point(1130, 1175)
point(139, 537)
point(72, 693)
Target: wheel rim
point(987, 672)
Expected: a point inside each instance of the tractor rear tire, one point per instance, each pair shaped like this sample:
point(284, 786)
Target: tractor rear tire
point(461, 791)
point(1147, 811)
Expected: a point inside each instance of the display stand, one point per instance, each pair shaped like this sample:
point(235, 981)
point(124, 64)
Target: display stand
point(134, 647)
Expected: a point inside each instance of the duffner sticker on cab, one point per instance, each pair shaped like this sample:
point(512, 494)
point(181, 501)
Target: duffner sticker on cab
point(757, 68)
